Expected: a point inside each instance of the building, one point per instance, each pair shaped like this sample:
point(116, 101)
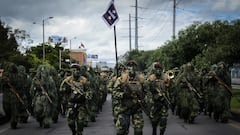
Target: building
point(78, 56)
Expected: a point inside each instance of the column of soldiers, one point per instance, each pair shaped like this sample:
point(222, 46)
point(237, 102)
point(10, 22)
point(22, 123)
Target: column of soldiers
point(44, 94)
point(185, 91)
point(80, 92)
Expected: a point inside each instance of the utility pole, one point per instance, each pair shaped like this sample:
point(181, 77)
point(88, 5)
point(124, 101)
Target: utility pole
point(174, 18)
point(43, 23)
point(136, 25)
point(130, 35)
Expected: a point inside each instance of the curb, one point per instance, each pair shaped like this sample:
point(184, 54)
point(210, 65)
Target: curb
point(235, 116)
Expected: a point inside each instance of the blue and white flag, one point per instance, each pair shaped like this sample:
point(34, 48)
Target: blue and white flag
point(110, 16)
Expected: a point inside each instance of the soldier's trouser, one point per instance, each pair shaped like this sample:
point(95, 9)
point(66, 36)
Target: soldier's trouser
point(163, 124)
point(159, 117)
point(123, 122)
point(76, 119)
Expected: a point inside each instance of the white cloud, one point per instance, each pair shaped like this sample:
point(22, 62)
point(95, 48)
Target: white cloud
point(83, 19)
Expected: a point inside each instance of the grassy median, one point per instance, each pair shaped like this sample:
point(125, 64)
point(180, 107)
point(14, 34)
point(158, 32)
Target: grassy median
point(235, 101)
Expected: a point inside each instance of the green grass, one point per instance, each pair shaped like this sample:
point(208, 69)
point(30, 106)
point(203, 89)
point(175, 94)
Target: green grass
point(235, 101)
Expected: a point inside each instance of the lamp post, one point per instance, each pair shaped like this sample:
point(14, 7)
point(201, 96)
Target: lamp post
point(43, 21)
point(70, 47)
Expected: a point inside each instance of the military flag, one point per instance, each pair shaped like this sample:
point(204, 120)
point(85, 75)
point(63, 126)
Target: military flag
point(111, 16)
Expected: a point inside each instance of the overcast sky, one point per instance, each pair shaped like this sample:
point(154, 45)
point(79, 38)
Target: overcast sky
point(83, 19)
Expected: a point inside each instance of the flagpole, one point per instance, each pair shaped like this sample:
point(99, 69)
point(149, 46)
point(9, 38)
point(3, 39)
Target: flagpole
point(115, 40)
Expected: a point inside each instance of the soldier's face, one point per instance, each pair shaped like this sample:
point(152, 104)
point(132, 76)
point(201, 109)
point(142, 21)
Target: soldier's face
point(76, 73)
point(158, 72)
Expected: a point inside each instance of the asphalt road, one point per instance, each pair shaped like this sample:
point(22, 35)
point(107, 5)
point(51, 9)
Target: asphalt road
point(104, 126)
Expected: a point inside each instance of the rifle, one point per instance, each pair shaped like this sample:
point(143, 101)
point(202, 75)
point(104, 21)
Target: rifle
point(76, 88)
point(192, 88)
point(13, 90)
point(164, 96)
point(43, 90)
point(222, 83)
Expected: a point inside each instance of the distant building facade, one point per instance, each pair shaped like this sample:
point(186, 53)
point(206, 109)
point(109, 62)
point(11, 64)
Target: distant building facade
point(79, 55)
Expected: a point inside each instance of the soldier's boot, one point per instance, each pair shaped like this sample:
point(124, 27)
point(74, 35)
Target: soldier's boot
point(74, 132)
point(93, 118)
point(162, 131)
point(14, 125)
point(137, 131)
point(154, 130)
point(79, 133)
point(46, 125)
point(13, 122)
point(46, 122)
point(40, 120)
point(55, 119)
point(216, 116)
point(24, 119)
point(80, 126)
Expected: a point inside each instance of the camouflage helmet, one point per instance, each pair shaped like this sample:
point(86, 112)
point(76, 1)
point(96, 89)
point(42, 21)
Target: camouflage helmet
point(157, 65)
point(42, 72)
point(157, 69)
point(21, 69)
point(76, 66)
point(12, 68)
point(131, 63)
point(131, 66)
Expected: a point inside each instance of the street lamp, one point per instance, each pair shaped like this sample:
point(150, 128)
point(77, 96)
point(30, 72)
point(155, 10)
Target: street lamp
point(43, 21)
point(70, 43)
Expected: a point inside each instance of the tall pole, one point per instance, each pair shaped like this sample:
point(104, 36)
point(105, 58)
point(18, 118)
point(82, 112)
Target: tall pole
point(43, 21)
point(130, 35)
point(60, 59)
point(115, 42)
point(136, 25)
point(174, 17)
point(43, 41)
point(70, 48)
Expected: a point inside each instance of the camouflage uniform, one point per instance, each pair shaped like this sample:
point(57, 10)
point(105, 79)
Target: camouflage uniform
point(115, 102)
point(43, 92)
point(160, 99)
point(77, 87)
point(11, 87)
point(102, 89)
point(56, 106)
point(126, 92)
point(64, 95)
point(26, 84)
point(210, 85)
point(221, 103)
point(93, 80)
point(188, 106)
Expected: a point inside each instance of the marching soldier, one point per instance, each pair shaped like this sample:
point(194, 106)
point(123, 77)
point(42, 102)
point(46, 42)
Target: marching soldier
point(115, 102)
point(188, 95)
point(12, 94)
point(128, 88)
point(160, 99)
point(78, 89)
point(43, 92)
point(222, 97)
